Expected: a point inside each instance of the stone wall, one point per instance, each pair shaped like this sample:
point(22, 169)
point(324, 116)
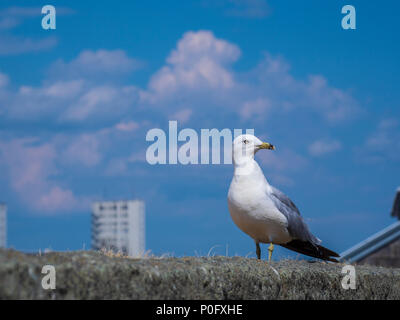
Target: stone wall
point(93, 275)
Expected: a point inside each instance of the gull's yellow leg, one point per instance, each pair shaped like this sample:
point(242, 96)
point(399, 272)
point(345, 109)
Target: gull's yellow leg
point(270, 250)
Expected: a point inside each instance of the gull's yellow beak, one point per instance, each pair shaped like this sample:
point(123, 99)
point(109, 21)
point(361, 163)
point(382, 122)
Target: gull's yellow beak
point(266, 145)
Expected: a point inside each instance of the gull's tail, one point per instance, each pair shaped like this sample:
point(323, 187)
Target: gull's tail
point(312, 250)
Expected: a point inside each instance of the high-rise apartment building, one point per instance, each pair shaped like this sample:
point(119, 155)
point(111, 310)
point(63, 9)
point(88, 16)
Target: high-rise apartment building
point(119, 226)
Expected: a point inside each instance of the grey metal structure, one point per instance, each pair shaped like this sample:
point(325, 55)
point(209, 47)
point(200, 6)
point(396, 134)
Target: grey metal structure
point(396, 205)
point(372, 244)
point(382, 248)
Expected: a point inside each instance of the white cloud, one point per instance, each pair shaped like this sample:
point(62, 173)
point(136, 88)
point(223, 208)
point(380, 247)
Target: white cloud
point(127, 126)
point(182, 116)
point(384, 135)
point(255, 108)
point(96, 98)
point(287, 94)
point(94, 63)
point(196, 46)
point(83, 150)
point(197, 79)
point(41, 102)
point(21, 12)
point(198, 73)
point(11, 17)
point(60, 89)
point(247, 8)
point(59, 199)
point(3, 80)
point(116, 167)
point(282, 160)
point(70, 101)
point(250, 9)
point(8, 23)
point(10, 45)
point(72, 95)
point(31, 168)
point(280, 164)
point(383, 144)
point(322, 147)
point(197, 63)
point(138, 156)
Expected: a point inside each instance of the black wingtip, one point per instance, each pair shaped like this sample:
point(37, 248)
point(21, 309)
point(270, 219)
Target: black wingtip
point(311, 250)
point(328, 252)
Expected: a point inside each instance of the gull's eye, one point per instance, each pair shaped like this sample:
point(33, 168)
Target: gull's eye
point(246, 141)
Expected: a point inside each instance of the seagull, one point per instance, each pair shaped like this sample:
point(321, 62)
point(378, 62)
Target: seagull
point(262, 211)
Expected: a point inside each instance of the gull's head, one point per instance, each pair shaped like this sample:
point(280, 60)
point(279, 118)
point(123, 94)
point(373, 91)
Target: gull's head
point(245, 147)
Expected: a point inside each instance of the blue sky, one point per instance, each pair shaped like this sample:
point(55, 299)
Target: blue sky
point(76, 104)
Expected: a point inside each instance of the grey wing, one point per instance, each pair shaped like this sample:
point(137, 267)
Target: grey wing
point(296, 225)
